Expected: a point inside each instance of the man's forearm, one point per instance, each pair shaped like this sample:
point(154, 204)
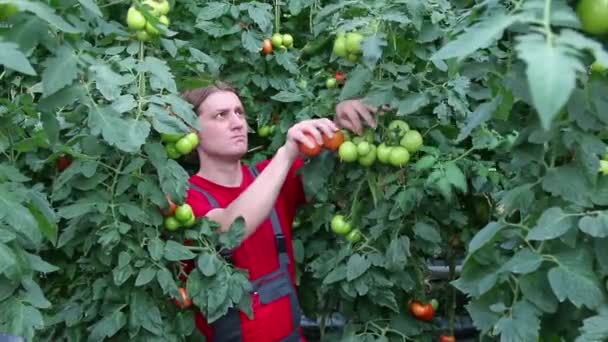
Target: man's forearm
point(257, 201)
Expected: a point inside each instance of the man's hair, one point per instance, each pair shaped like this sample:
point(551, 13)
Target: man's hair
point(198, 95)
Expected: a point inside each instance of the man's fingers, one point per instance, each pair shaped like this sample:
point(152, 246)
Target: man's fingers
point(353, 118)
point(327, 127)
point(363, 110)
point(314, 131)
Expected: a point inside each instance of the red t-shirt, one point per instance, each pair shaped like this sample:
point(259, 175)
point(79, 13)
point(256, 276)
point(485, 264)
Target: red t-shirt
point(258, 252)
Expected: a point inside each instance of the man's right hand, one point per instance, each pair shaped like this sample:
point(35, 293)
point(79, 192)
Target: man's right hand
point(316, 128)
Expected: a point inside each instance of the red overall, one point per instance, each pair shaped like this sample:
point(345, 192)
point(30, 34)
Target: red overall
point(258, 254)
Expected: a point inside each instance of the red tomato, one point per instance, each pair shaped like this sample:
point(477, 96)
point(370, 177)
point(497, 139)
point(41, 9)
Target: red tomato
point(421, 311)
point(63, 162)
point(311, 152)
point(267, 47)
point(340, 77)
point(335, 142)
point(446, 338)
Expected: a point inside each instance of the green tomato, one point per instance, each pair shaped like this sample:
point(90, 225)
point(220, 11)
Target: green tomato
point(184, 145)
point(383, 153)
point(154, 8)
point(164, 20)
point(352, 58)
point(193, 139)
point(143, 36)
point(191, 222)
point(135, 20)
point(354, 236)
point(287, 40)
point(434, 304)
point(171, 223)
point(331, 83)
point(598, 68)
point(172, 151)
point(593, 15)
point(353, 42)
point(264, 131)
point(604, 167)
point(397, 128)
point(151, 29)
point(348, 152)
point(363, 148)
point(399, 156)
point(368, 159)
point(340, 47)
point(339, 225)
point(412, 141)
point(171, 137)
point(164, 8)
point(277, 40)
point(184, 213)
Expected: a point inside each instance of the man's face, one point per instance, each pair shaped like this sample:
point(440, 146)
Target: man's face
point(223, 126)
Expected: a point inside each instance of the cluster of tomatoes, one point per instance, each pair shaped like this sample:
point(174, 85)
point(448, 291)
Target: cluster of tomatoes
point(177, 144)
point(348, 46)
point(278, 41)
point(337, 80)
point(177, 216)
point(147, 26)
point(341, 226)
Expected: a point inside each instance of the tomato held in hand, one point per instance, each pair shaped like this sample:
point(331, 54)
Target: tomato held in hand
point(184, 302)
point(311, 152)
point(421, 311)
point(334, 142)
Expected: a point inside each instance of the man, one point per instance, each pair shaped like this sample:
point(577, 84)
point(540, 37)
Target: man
point(266, 196)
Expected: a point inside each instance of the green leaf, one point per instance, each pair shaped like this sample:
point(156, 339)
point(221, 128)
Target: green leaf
point(60, 71)
point(235, 234)
point(39, 265)
point(209, 264)
point(412, 103)
point(522, 324)
point(145, 276)
point(595, 328)
point(24, 319)
point(427, 232)
point(595, 225)
point(425, 163)
point(337, 274)
point(7, 256)
point(476, 37)
point(536, 289)
point(455, 176)
point(523, 262)
point(144, 313)
point(16, 215)
point(126, 134)
point(287, 96)
point(397, 253)
point(484, 236)
point(356, 266)
point(156, 248)
point(213, 10)
point(34, 294)
point(11, 173)
point(47, 14)
point(12, 58)
point(355, 83)
point(161, 78)
point(107, 81)
point(262, 15)
point(479, 310)
point(107, 326)
point(482, 113)
point(91, 6)
point(552, 224)
point(212, 64)
point(551, 71)
point(286, 60)
point(251, 41)
point(175, 252)
point(372, 48)
point(574, 279)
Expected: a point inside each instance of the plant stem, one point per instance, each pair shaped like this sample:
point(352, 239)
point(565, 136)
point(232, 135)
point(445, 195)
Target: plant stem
point(141, 80)
point(547, 22)
point(277, 16)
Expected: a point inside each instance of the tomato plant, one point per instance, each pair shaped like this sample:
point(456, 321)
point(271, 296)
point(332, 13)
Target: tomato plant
point(490, 152)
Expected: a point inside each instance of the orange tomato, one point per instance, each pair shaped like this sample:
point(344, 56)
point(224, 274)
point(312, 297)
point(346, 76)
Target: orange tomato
point(311, 152)
point(185, 302)
point(267, 46)
point(335, 142)
point(172, 207)
point(421, 311)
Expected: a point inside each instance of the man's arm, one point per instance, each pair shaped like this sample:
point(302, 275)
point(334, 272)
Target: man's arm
point(257, 201)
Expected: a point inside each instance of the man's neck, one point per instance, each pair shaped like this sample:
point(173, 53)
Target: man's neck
point(226, 173)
